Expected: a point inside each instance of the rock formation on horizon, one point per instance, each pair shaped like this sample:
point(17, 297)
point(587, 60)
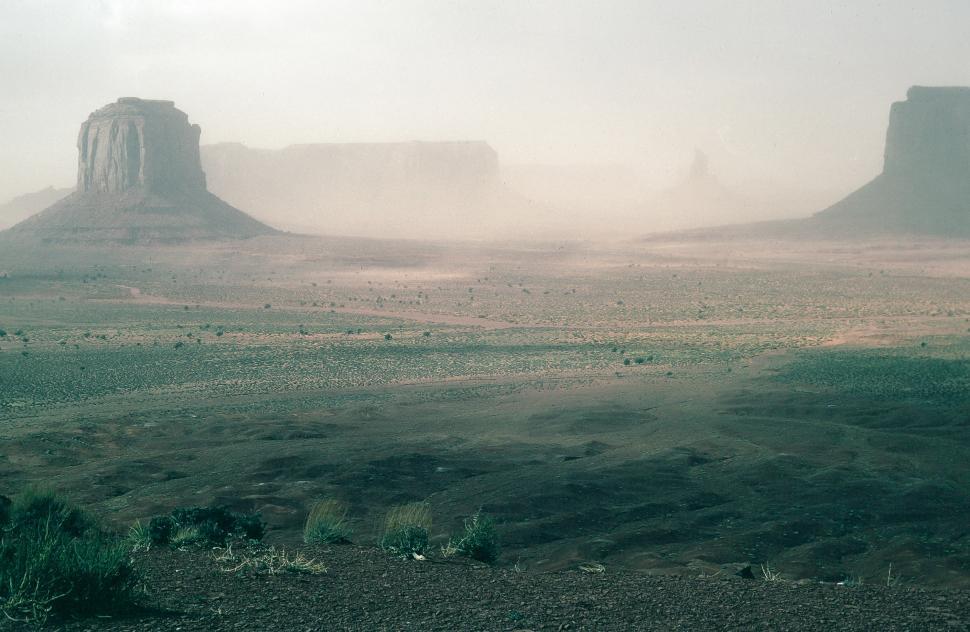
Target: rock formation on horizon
point(411, 189)
point(140, 179)
point(23, 206)
point(924, 186)
point(699, 199)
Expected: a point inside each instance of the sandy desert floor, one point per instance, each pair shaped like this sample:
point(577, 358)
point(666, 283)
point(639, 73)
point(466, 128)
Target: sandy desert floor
point(674, 407)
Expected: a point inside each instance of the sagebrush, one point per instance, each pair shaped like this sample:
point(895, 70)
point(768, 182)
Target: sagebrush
point(479, 540)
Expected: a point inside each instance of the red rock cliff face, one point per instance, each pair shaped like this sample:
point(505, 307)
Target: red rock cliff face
point(139, 143)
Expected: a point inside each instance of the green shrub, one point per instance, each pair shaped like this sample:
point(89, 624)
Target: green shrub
point(478, 541)
point(407, 529)
point(34, 508)
point(160, 529)
point(213, 526)
point(54, 559)
point(327, 523)
point(4, 510)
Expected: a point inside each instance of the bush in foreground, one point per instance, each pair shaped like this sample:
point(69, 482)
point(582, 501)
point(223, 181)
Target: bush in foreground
point(479, 540)
point(407, 529)
point(214, 526)
point(55, 559)
point(327, 523)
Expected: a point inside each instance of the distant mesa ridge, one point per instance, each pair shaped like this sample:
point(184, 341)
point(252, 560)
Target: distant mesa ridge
point(924, 186)
point(139, 179)
point(408, 189)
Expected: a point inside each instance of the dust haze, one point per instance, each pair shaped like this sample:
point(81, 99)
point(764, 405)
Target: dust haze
point(518, 315)
point(591, 115)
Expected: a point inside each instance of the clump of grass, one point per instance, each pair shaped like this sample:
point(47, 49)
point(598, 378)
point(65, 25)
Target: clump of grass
point(56, 560)
point(138, 538)
point(407, 529)
point(770, 574)
point(327, 523)
point(479, 540)
point(185, 536)
point(268, 561)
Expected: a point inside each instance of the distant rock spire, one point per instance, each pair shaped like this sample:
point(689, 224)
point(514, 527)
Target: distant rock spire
point(699, 169)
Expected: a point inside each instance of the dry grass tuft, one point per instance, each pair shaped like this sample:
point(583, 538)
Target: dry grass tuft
point(407, 529)
point(327, 523)
point(268, 561)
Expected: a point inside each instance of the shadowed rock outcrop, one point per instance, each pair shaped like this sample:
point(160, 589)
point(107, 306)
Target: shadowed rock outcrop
point(925, 183)
point(140, 179)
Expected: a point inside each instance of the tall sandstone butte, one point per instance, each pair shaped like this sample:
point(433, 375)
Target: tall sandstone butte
point(924, 186)
point(139, 179)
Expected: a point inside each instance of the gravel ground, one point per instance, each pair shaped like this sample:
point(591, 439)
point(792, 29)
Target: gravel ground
point(363, 589)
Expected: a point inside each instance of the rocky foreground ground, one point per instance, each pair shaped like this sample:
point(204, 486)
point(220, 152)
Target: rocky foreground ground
point(364, 589)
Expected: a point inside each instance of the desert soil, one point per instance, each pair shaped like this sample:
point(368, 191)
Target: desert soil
point(364, 589)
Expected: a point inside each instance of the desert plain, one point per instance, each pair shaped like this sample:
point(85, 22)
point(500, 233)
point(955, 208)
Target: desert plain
point(678, 404)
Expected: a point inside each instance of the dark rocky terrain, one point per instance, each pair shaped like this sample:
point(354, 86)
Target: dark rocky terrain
point(365, 589)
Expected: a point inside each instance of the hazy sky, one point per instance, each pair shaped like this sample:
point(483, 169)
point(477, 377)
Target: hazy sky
point(796, 92)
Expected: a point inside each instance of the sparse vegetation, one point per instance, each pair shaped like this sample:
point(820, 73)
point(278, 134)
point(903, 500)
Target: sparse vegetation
point(769, 574)
point(56, 560)
point(214, 526)
point(407, 530)
point(478, 540)
point(267, 561)
point(139, 537)
point(327, 523)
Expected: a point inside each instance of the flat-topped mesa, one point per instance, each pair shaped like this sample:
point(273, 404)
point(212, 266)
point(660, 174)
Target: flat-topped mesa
point(139, 143)
point(140, 180)
point(929, 133)
point(924, 186)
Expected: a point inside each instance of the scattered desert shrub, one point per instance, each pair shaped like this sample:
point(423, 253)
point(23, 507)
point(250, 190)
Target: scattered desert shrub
point(327, 523)
point(214, 526)
point(160, 529)
point(267, 561)
point(407, 529)
point(479, 540)
point(55, 559)
point(4, 511)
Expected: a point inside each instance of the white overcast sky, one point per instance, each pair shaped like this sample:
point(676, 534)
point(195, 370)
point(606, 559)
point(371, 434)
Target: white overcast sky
point(792, 91)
